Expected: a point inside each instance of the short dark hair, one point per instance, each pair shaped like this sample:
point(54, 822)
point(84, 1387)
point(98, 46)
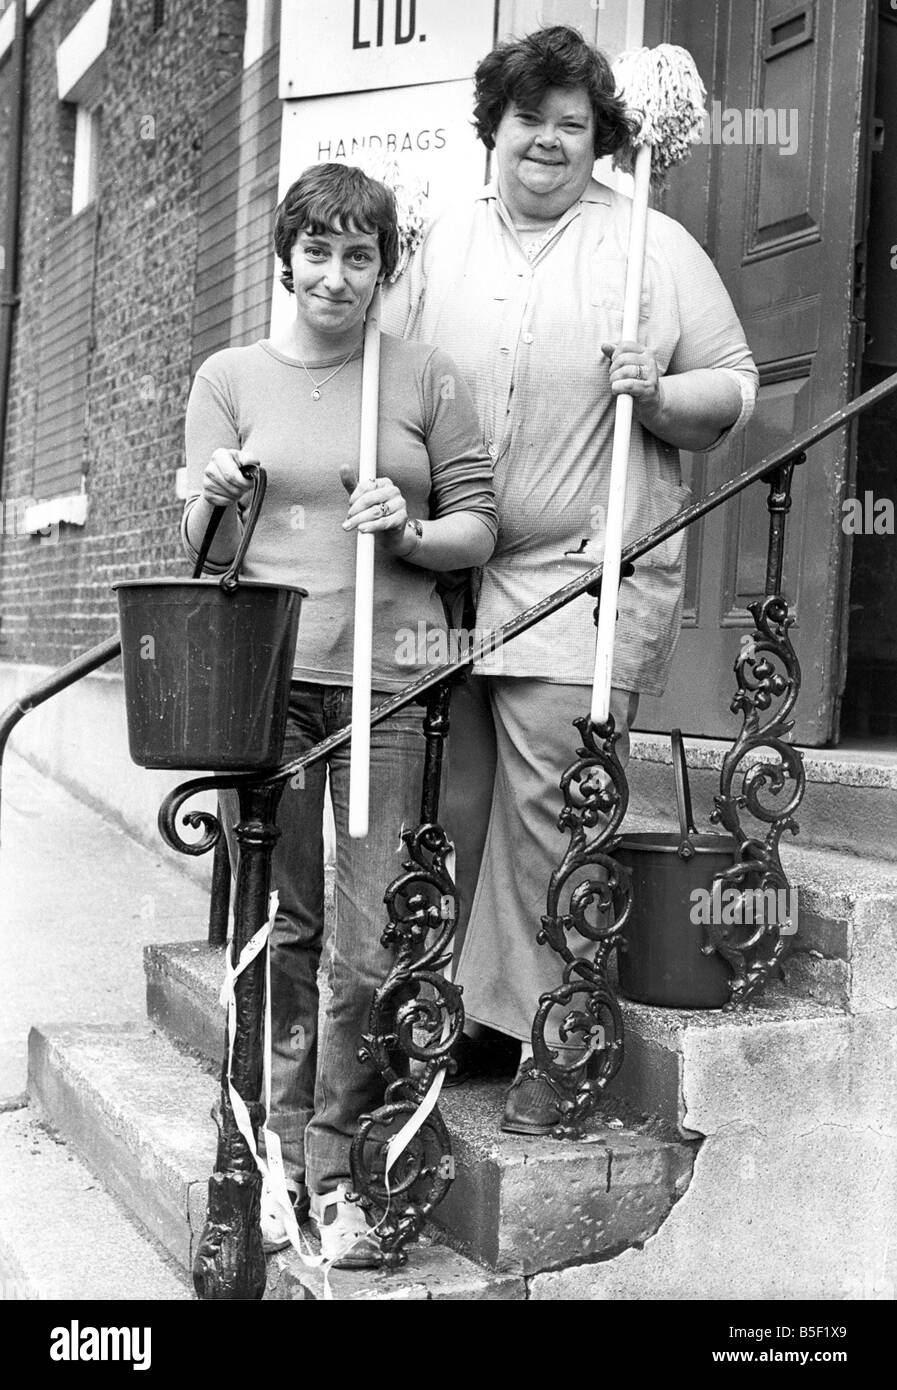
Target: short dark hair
point(522, 70)
point(331, 198)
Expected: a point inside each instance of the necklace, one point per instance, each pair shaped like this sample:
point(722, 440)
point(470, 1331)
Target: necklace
point(316, 393)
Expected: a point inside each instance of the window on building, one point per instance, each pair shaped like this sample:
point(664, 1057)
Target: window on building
point(262, 29)
point(68, 283)
point(85, 170)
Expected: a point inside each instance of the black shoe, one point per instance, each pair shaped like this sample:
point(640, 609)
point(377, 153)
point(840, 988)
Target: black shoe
point(532, 1105)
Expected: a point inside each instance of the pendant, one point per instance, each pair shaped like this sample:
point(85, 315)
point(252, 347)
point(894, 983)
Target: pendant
point(316, 395)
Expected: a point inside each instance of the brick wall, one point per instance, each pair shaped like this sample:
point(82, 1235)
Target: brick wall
point(55, 598)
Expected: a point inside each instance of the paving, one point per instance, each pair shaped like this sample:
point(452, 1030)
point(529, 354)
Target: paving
point(79, 899)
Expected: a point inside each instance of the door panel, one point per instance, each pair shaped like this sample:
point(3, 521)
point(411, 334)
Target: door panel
point(777, 199)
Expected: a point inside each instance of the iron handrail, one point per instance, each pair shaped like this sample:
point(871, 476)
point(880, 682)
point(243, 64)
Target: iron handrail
point(106, 651)
point(552, 603)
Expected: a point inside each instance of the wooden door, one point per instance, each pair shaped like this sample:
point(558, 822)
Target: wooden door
point(784, 231)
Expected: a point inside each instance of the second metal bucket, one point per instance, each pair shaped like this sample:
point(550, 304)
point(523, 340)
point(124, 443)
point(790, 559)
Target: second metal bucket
point(661, 960)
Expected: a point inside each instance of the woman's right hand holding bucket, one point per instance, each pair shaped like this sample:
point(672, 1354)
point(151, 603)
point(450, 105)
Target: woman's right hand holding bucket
point(224, 481)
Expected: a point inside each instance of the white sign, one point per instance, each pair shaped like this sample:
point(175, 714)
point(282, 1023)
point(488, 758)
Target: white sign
point(332, 46)
point(427, 130)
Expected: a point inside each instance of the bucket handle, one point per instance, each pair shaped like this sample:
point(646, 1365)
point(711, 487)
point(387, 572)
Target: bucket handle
point(687, 825)
point(230, 579)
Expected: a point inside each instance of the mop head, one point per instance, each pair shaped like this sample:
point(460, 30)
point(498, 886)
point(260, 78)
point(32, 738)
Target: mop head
point(411, 203)
point(663, 91)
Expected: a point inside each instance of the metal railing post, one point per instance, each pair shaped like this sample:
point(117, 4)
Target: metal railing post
point(229, 1262)
point(416, 1018)
point(751, 939)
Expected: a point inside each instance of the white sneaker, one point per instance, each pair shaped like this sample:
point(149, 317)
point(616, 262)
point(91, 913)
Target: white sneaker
point(274, 1231)
point(347, 1242)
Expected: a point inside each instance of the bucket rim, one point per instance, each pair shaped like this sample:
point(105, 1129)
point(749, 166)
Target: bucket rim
point(668, 842)
point(206, 583)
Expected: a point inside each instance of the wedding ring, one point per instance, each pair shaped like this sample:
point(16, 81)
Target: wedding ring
point(384, 509)
point(640, 373)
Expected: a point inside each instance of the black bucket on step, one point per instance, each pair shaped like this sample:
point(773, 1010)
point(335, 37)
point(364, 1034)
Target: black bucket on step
point(207, 662)
point(663, 959)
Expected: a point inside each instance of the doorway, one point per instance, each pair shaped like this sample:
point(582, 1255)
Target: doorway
point(869, 703)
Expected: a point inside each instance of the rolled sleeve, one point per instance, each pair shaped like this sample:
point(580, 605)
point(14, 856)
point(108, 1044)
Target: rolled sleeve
point(460, 466)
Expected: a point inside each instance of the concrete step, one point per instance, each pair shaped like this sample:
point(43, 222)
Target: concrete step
point(697, 1070)
point(845, 949)
point(139, 1113)
point(62, 1236)
point(671, 1057)
point(534, 1204)
point(850, 803)
point(183, 980)
point(516, 1203)
point(137, 1110)
point(433, 1272)
point(844, 954)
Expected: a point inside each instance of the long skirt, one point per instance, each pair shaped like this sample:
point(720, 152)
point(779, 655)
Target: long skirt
point(511, 739)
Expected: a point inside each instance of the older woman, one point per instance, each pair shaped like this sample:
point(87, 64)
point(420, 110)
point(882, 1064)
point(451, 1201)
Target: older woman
point(525, 287)
point(293, 404)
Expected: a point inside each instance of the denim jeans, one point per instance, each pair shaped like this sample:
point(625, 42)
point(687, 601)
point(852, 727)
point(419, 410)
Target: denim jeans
point(318, 1086)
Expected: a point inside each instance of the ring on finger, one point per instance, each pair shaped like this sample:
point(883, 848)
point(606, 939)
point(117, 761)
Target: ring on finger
point(640, 372)
point(384, 509)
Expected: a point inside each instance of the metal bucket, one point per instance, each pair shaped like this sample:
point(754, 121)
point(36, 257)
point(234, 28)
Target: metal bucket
point(663, 958)
point(207, 663)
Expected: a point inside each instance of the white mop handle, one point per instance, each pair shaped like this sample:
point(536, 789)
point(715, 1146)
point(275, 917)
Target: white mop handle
point(362, 654)
point(616, 506)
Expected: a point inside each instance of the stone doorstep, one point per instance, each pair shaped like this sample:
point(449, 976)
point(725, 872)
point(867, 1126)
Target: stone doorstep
point(137, 1110)
point(183, 980)
point(139, 1113)
point(530, 1204)
point(433, 1272)
point(695, 1070)
point(850, 802)
point(845, 953)
point(62, 1235)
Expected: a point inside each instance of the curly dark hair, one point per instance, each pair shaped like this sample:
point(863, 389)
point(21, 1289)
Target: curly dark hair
point(331, 198)
point(522, 70)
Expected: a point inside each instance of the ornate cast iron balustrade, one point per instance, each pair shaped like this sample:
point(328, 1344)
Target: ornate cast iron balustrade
point(416, 1018)
point(583, 1010)
point(230, 1262)
point(768, 675)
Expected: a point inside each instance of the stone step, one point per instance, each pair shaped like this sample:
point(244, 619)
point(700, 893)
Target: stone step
point(697, 1070)
point(183, 980)
point(850, 803)
point(516, 1203)
point(433, 1271)
point(62, 1236)
point(137, 1110)
point(844, 954)
point(534, 1204)
point(139, 1113)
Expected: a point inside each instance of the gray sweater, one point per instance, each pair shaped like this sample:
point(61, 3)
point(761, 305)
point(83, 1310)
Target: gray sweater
point(429, 444)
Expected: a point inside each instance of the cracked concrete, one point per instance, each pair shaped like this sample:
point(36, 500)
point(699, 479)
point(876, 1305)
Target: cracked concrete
point(794, 1187)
